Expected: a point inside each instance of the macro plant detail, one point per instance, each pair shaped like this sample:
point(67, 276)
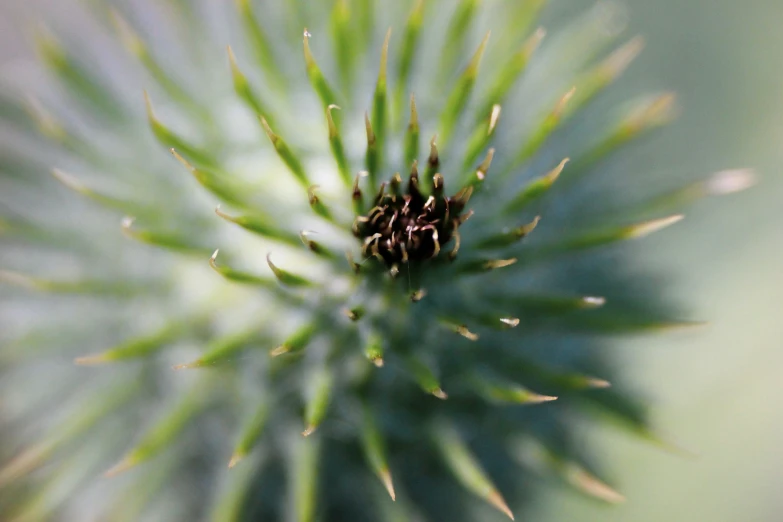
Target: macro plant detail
point(364, 318)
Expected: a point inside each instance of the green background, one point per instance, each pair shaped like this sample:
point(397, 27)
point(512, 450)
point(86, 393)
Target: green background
point(716, 392)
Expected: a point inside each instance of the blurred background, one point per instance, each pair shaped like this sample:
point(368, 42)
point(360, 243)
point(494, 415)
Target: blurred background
point(714, 392)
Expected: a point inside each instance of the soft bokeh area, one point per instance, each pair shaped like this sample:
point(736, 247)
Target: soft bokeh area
point(715, 390)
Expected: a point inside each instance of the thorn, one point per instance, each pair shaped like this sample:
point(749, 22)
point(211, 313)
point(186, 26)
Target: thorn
point(496, 500)
point(647, 228)
point(122, 466)
point(23, 463)
point(384, 56)
point(311, 195)
point(594, 487)
point(395, 184)
point(354, 265)
point(457, 241)
point(235, 459)
point(437, 182)
point(553, 174)
point(274, 138)
point(386, 478)
point(684, 325)
point(381, 194)
point(182, 160)
point(271, 264)
point(309, 430)
point(618, 61)
point(730, 181)
point(494, 116)
point(434, 160)
point(414, 170)
point(91, 360)
point(535, 398)
point(534, 41)
point(127, 223)
point(467, 334)
point(354, 314)
point(404, 255)
point(148, 106)
point(368, 242)
point(231, 219)
point(437, 243)
point(232, 59)
point(464, 217)
point(45, 121)
point(473, 67)
point(378, 362)
point(286, 278)
point(418, 295)
point(659, 111)
point(68, 180)
point(18, 279)
point(368, 128)
point(440, 394)
point(463, 196)
point(212, 259)
point(414, 120)
point(524, 230)
point(280, 350)
point(593, 382)
point(333, 132)
point(482, 170)
point(593, 301)
point(499, 263)
point(561, 104)
point(512, 322)
point(127, 35)
point(187, 366)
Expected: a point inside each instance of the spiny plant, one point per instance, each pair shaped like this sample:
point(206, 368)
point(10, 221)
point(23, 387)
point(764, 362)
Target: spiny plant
point(383, 321)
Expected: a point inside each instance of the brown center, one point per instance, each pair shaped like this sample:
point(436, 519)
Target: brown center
point(411, 226)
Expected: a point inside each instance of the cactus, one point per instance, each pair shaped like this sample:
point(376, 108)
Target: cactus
point(363, 250)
